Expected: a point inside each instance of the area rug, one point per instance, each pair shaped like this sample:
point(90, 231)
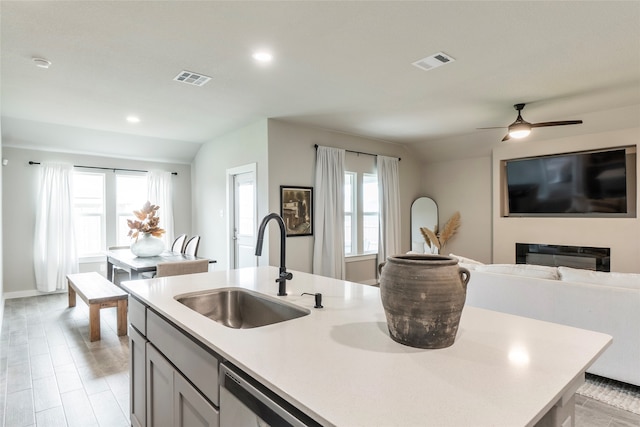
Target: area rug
point(618, 394)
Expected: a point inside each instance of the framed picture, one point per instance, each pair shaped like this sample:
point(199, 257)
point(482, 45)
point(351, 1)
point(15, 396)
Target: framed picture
point(296, 209)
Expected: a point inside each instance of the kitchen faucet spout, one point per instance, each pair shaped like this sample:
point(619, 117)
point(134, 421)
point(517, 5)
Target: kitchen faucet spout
point(284, 275)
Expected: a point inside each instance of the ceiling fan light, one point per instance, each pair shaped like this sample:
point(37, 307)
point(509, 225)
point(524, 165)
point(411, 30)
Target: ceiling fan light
point(519, 130)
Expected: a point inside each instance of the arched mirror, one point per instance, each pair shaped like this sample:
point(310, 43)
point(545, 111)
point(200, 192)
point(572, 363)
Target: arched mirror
point(424, 213)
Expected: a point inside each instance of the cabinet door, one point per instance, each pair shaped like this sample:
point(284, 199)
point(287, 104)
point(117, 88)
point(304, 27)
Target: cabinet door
point(159, 389)
point(194, 362)
point(137, 378)
point(190, 408)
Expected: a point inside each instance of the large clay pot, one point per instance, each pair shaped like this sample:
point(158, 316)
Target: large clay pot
point(147, 245)
point(423, 296)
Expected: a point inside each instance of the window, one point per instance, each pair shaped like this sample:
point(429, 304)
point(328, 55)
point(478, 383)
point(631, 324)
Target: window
point(370, 209)
point(102, 204)
point(131, 193)
point(360, 213)
point(89, 210)
point(350, 229)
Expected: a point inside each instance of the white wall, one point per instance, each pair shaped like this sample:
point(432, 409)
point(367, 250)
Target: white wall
point(464, 186)
point(1, 240)
point(292, 162)
point(622, 235)
point(241, 147)
point(19, 194)
point(285, 155)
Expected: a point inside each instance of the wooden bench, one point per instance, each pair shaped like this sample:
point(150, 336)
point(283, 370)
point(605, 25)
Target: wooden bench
point(98, 293)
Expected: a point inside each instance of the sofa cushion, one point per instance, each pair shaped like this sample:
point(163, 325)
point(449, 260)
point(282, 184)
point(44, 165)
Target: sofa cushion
point(618, 280)
point(463, 260)
point(528, 270)
point(468, 266)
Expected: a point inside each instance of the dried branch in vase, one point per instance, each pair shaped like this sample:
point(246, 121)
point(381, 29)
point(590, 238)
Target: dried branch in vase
point(147, 222)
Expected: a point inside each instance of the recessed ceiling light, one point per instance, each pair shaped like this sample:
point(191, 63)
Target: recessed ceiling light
point(133, 119)
point(263, 56)
point(41, 62)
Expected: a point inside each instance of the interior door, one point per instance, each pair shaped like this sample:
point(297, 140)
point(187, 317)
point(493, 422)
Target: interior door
point(244, 220)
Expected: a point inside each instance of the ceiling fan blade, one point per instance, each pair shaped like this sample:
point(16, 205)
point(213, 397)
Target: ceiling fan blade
point(506, 138)
point(560, 123)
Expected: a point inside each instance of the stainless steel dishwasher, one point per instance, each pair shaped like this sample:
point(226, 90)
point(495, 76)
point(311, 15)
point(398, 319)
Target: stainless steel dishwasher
point(246, 403)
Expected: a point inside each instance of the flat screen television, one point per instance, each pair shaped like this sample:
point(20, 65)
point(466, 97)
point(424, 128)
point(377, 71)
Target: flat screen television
point(590, 183)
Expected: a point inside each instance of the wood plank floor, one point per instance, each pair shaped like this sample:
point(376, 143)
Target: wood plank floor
point(52, 375)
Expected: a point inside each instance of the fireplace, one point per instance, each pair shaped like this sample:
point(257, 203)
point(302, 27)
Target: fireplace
point(588, 258)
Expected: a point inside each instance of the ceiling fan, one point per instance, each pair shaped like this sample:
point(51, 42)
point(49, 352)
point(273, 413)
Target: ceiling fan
point(521, 128)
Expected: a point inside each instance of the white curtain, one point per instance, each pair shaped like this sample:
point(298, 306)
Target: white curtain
point(160, 192)
point(389, 194)
point(54, 248)
point(328, 248)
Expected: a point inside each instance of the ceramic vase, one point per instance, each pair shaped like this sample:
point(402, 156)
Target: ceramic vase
point(423, 297)
point(147, 245)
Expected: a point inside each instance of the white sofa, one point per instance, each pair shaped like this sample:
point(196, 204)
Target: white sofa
point(609, 304)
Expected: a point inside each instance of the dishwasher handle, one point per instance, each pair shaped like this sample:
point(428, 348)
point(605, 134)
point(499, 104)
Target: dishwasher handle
point(257, 401)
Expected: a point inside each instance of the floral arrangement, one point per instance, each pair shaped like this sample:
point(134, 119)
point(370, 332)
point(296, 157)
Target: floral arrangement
point(439, 239)
point(146, 222)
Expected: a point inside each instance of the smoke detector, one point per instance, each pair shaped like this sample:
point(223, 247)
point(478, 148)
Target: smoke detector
point(433, 61)
point(191, 78)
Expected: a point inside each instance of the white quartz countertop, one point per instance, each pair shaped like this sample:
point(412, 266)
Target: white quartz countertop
point(340, 366)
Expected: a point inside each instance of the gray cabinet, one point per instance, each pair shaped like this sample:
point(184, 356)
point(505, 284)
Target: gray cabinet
point(137, 377)
point(190, 408)
point(159, 389)
point(171, 400)
point(193, 361)
point(161, 357)
point(137, 314)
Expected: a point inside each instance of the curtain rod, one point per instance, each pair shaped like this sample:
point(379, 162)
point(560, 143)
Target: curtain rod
point(356, 152)
point(31, 162)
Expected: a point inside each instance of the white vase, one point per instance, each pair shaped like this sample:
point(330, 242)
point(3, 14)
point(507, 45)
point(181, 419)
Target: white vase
point(147, 245)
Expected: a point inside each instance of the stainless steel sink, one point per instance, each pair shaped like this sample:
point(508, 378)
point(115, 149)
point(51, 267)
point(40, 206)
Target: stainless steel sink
point(241, 309)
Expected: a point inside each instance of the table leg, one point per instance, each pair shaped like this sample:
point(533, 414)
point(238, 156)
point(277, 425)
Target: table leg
point(94, 322)
point(72, 296)
point(109, 270)
point(122, 317)
point(135, 275)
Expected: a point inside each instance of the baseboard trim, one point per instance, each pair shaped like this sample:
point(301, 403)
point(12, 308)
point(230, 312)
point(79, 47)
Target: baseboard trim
point(29, 293)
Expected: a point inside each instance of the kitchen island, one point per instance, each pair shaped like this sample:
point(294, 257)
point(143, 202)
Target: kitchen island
point(339, 366)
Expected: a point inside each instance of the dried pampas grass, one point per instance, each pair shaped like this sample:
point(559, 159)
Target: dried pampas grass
point(433, 238)
point(430, 237)
point(450, 228)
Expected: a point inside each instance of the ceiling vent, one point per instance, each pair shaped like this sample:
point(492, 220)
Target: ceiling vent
point(433, 61)
point(192, 78)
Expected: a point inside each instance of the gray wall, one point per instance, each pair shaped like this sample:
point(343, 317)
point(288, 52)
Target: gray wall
point(210, 214)
point(619, 234)
point(292, 162)
point(464, 186)
point(473, 186)
point(1, 240)
point(285, 155)
point(19, 193)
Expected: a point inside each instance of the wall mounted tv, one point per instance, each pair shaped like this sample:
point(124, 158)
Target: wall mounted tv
point(589, 183)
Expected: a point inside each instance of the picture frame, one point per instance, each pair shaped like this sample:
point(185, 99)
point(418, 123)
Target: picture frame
point(296, 210)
